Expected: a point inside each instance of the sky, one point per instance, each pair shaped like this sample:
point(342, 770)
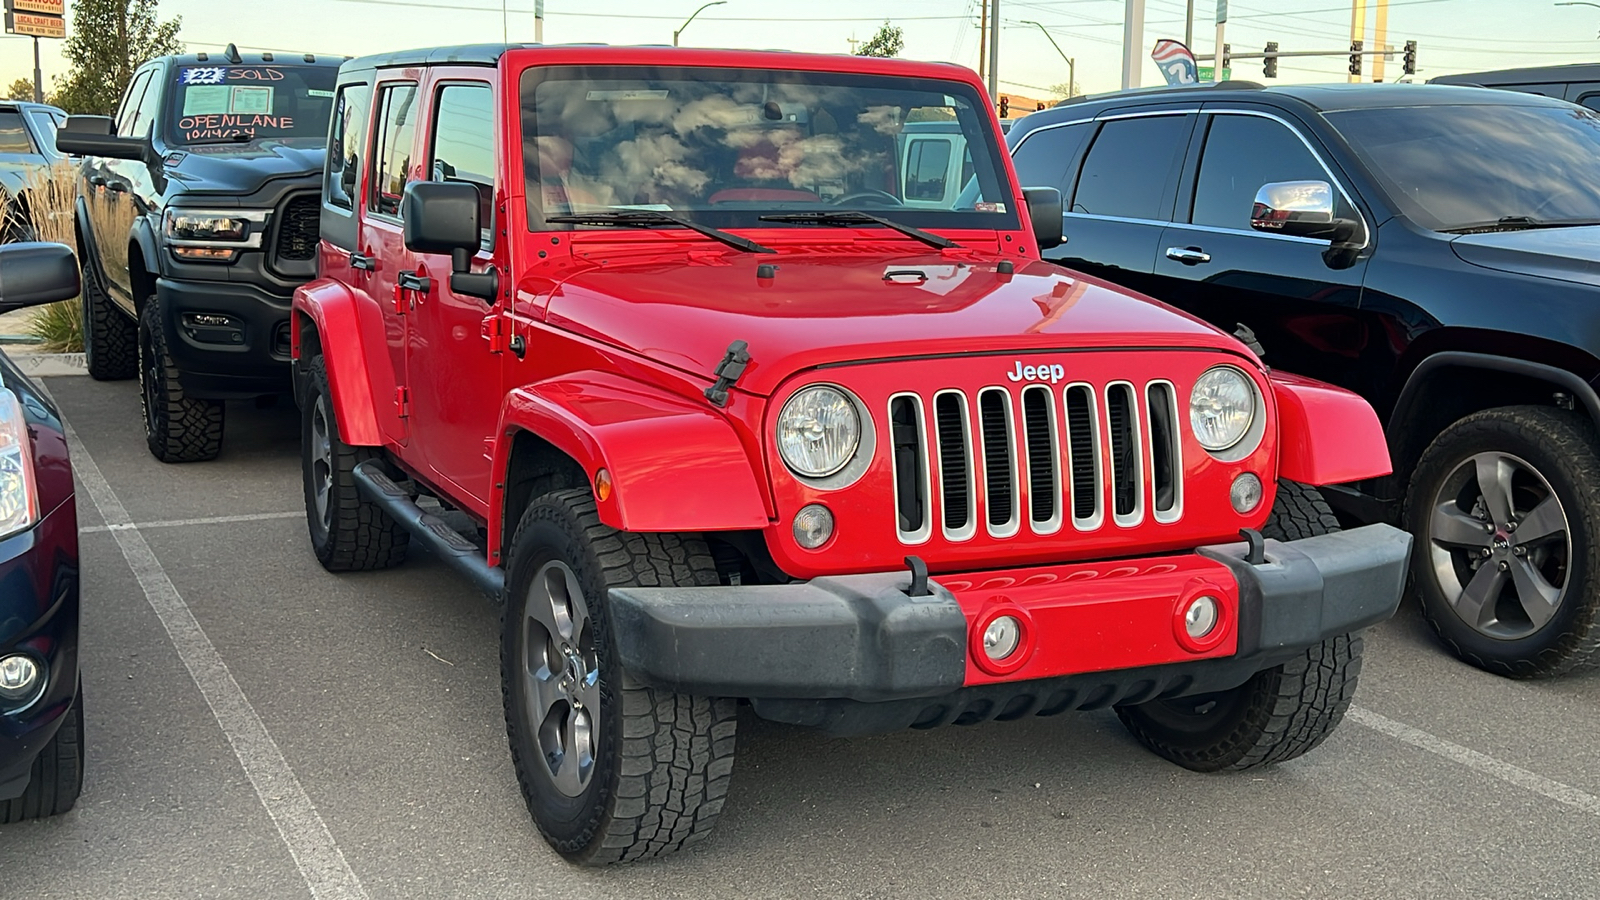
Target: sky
point(1452, 35)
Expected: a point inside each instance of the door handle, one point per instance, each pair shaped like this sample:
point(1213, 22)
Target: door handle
point(362, 261)
point(1189, 256)
point(411, 281)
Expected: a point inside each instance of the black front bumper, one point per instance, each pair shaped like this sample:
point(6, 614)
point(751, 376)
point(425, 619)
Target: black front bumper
point(854, 653)
point(229, 340)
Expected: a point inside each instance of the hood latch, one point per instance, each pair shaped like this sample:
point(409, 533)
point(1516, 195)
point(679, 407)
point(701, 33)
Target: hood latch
point(728, 372)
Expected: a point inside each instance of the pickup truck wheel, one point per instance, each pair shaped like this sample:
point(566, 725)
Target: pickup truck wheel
point(57, 776)
point(349, 533)
point(110, 349)
point(612, 770)
point(1280, 713)
point(1505, 506)
point(178, 429)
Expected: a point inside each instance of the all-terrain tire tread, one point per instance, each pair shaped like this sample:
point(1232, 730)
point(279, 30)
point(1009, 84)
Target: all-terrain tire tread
point(111, 338)
point(1299, 512)
point(362, 537)
point(180, 429)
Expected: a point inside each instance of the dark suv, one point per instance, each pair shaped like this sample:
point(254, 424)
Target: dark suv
point(196, 219)
point(1575, 82)
point(1433, 248)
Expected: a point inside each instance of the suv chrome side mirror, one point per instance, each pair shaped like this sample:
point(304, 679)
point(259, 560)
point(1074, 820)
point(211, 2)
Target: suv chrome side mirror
point(97, 136)
point(33, 274)
point(442, 217)
point(1300, 209)
point(1044, 208)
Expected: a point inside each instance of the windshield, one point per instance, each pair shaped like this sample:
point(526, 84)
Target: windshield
point(216, 103)
point(722, 147)
point(1464, 167)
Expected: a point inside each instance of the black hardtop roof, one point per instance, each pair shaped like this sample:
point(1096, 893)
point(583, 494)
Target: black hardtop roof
point(1562, 74)
point(460, 54)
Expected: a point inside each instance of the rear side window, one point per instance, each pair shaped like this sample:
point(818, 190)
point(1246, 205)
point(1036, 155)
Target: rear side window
point(462, 146)
point(144, 115)
point(130, 103)
point(927, 165)
point(1046, 155)
point(391, 151)
point(1129, 166)
point(346, 142)
point(13, 135)
point(1590, 101)
point(1242, 153)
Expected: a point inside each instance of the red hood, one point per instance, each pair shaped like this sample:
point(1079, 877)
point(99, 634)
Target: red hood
point(825, 308)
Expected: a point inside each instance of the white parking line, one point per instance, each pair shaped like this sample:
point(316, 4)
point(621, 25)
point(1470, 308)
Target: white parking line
point(180, 523)
point(1478, 762)
point(315, 853)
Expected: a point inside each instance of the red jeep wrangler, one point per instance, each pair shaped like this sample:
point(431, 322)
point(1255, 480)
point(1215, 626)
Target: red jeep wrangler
point(696, 361)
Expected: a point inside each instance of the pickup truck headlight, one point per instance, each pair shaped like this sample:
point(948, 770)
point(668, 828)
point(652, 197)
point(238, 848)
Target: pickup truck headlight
point(19, 497)
point(819, 430)
point(221, 226)
point(1222, 406)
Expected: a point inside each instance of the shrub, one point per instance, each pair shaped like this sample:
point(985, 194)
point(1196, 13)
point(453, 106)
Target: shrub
point(51, 199)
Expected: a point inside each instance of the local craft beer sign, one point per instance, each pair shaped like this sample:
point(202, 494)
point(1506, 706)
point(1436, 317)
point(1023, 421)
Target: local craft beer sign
point(38, 18)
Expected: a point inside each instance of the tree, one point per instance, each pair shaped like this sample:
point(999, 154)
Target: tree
point(1065, 90)
point(21, 89)
point(110, 39)
point(889, 41)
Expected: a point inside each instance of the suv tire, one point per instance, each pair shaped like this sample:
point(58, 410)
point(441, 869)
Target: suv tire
point(596, 798)
point(349, 533)
point(1281, 712)
point(1544, 568)
point(110, 338)
point(57, 776)
point(178, 429)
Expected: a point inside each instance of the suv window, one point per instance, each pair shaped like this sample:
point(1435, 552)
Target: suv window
point(45, 125)
point(1127, 169)
point(13, 135)
point(927, 163)
point(1242, 153)
point(1046, 155)
point(462, 147)
point(348, 141)
point(130, 103)
point(391, 152)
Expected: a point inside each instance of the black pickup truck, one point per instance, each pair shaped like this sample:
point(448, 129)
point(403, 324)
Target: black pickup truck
point(196, 218)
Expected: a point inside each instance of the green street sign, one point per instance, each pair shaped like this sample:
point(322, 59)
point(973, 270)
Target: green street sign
point(1205, 72)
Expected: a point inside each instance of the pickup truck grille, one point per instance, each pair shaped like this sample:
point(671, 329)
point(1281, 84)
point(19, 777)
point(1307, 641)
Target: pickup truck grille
point(298, 229)
point(1038, 458)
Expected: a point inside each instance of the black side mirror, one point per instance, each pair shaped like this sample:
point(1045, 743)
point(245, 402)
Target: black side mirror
point(1302, 209)
point(33, 274)
point(96, 136)
point(442, 217)
point(1044, 208)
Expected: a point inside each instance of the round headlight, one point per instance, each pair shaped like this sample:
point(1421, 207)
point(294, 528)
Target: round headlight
point(818, 431)
point(1221, 408)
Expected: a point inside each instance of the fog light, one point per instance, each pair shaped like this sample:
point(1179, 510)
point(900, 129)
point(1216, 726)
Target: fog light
point(1200, 617)
point(813, 525)
point(19, 678)
point(1245, 493)
point(1000, 639)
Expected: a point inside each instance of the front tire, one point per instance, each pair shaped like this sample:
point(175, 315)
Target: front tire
point(595, 797)
point(349, 533)
point(57, 776)
point(110, 338)
point(177, 428)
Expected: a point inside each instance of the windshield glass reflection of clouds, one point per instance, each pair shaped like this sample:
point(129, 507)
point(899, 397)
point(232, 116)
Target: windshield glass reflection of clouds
point(1459, 166)
point(724, 146)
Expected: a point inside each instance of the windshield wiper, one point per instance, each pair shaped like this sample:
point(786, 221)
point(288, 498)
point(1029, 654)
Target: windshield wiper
point(238, 137)
point(1518, 223)
point(857, 217)
point(645, 218)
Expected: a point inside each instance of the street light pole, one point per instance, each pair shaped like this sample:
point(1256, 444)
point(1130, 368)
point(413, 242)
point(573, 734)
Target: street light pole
point(1072, 64)
point(38, 76)
point(691, 19)
point(994, 50)
point(1580, 3)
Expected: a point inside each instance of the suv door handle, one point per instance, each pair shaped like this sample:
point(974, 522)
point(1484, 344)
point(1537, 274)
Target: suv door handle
point(411, 281)
point(362, 261)
point(1189, 256)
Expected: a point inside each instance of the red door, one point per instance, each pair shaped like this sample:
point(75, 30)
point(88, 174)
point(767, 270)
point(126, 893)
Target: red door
point(396, 109)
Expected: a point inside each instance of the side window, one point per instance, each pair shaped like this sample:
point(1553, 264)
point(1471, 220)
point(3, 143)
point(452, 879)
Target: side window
point(13, 134)
point(1241, 154)
point(1128, 167)
point(130, 103)
point(391, 151)
point(927, 163)
point(1046, 156)
point(45, 126)
point(462, 145)
point(145, 114)
point(1590, 101)
point(346, 144)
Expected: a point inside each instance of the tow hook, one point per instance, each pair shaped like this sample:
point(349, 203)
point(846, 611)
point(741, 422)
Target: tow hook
point(728, 372)
point(1256, 554)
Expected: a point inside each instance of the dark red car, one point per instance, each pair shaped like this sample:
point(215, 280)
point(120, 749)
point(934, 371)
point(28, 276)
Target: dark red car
point(41, 715)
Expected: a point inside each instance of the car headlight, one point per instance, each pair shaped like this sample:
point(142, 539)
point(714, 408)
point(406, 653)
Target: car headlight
point(19, 497)
point(223, 226)
point(1222, 407)
point(819, 430)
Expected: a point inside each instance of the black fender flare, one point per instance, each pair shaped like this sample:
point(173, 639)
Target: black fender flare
point(143, 235)
point(88, 245)
point(1582, 391)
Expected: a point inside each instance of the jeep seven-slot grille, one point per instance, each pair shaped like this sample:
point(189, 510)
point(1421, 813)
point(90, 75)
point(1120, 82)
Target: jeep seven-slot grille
point(1060, 445)
point(298, 229)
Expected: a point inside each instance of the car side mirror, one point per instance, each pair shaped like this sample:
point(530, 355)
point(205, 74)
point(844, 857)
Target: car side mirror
point(1300, 209)
point(32, 274)
point(1044, 208)
point(442, 217)
point(96, 136)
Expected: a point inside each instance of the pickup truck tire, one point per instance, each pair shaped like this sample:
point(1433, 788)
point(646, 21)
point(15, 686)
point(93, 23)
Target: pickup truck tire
point(110, 338)
point(57, 776)
point(612, 770)
point(1541, 576)
point(1281, 712)
point(349, 533)
point(178, 429)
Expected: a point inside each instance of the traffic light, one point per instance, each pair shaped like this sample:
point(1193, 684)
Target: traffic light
point(1269, 65)
point(1227, 60)
point(1410, 64)
point(1005, 107)
point(1355, 57)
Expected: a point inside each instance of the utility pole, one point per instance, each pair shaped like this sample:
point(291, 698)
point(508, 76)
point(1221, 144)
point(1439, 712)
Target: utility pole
point(1132, 43)
point(983, 39)
point(538, 21)
point(1221, 61)
point(38, 76)
point(1380, 33)
point(1188, 27)
point(1358, 29)
point(994, 49)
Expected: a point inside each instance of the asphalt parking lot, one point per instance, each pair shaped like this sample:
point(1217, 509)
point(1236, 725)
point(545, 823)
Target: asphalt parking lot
point(258, 728)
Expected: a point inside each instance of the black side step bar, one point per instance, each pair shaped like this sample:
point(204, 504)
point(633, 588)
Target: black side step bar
point(441, 540)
